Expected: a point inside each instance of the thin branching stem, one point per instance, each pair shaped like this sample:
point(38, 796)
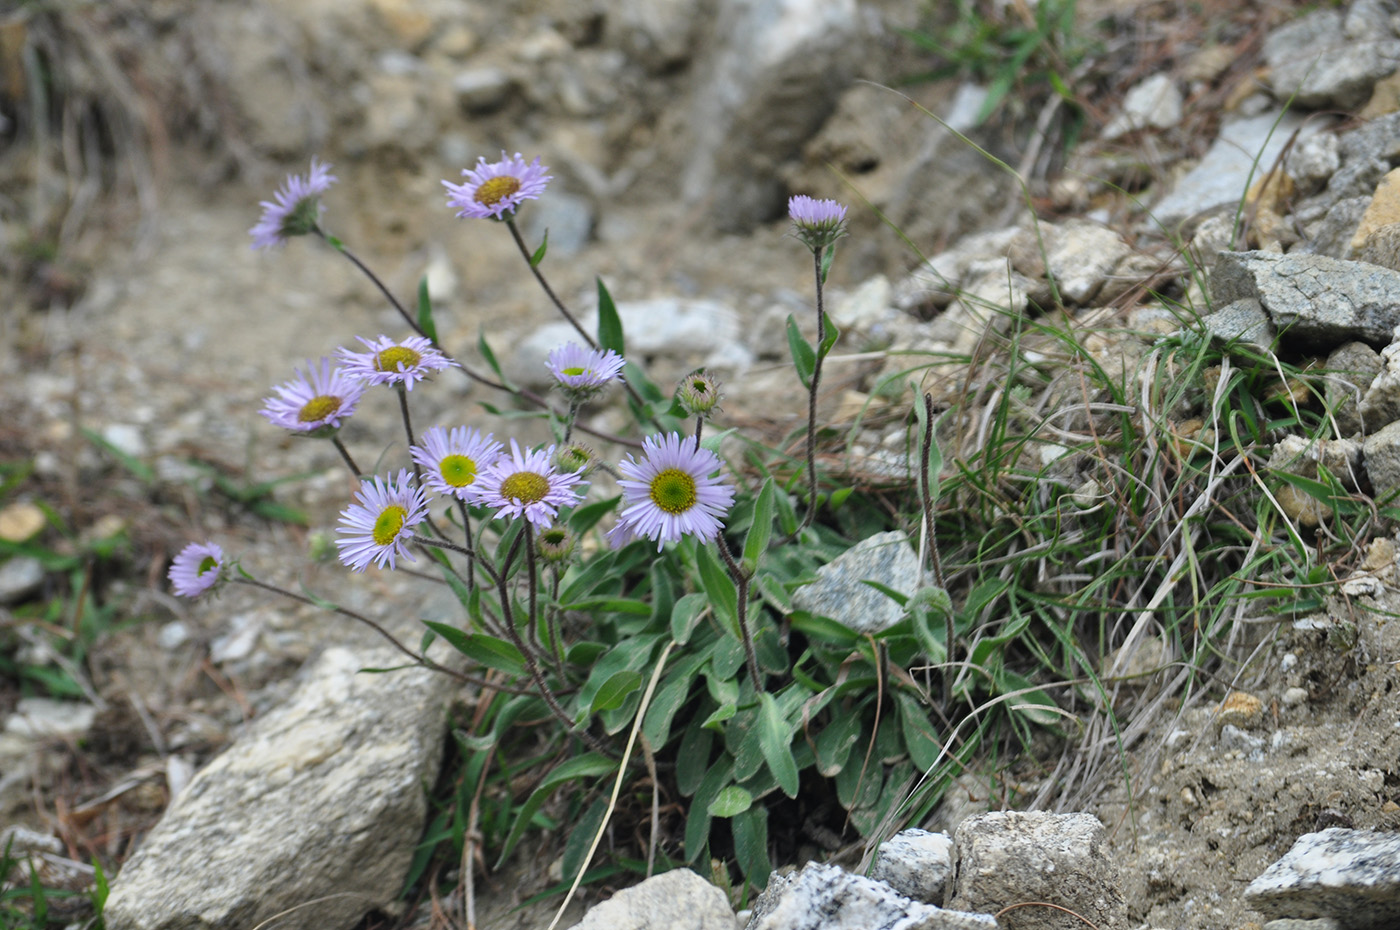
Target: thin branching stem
point(699, 428)
point(531, 664)
point(420, 660)
point(926, 498)
point(467, 533)
point(532, 583)
point(741, 581)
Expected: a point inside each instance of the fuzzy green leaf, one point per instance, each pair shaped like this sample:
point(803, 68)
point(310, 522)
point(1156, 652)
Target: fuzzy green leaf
point(804, 357)
point(425, 310)
point(761, 530)
point(775, 741)
point(751, 845)
point(732, 800)
point(540, 252)
point(609, 323)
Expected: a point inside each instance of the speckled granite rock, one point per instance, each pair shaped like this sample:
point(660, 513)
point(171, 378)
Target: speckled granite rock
point(826, 897)
point(917, 864)
point(1350, 875)
point(840, 591)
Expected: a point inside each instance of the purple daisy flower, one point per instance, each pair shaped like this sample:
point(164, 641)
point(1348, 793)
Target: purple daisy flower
point(453, 461)
point(818, 223)
point(315, 401)
point(379, 525)
point(390, 362)
point(198, 568)
point(296, 209)
point(673, 491)
point(527, 485)
point(495, 190)
point(581, 372)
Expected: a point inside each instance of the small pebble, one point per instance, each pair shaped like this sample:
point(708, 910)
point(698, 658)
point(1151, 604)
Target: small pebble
point(1295, 696)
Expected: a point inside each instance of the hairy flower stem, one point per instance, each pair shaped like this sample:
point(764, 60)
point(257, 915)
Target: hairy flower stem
point(467, 532)
point(699, 428)
point(549, 291)
point(559, 305)
point(531, 665)
point(421, 660)
point(741, 581)
point(926, 498)
point(812, 399)
point(339, 246)
point(532, 582)
point(345, 454)
point(569, 423)
point(556, 632)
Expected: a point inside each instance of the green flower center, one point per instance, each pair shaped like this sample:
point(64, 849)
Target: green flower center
point(207, 564)
point(389, 359)
point(302, 218)
point(318, 408)
point(457, 470)
point(390, 522)
point(493, 191)
point(673, 491)
point(574, 372)
point(528, 487)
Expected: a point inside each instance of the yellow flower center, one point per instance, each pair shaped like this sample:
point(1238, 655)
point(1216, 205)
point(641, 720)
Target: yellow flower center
point(673, 491)
point(318, 408)
point(528, 487)
point(208, 563)
point(492, 191)
point(457, 470)
point(390, 522)
point(391, 358)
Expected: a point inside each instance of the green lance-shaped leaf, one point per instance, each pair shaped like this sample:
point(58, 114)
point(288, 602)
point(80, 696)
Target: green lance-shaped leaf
point(425, 310)
point(609, 323)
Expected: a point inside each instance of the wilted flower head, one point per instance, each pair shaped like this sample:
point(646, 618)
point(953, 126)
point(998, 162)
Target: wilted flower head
point(495, 190)
point(555, 544)
point(672, 492)
point(453, 461)
point(390, 362)
point(818, 223)
point(296, 208)
point(527, 485)
point(581, 372)
point(198, 568)
point(379, 525)
point(699, 393)
point(314, 402)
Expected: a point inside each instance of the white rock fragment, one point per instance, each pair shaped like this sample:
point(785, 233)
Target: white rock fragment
point(1154, 102)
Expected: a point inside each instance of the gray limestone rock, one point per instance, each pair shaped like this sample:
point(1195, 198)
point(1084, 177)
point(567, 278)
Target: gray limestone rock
point(1154, 102)
point(1225, 173)
point(676, 900)
point(1332, 234)
point(774, 76)
point(1318, 64)
point(1297, 923)
point(917, 864)
point(688, 332)
point(1380, 138)
point(1241, 321)
point(1380, 399)
point(1313, 299)
point(568, 218)
point(1382, 452)
point(320, 802)
point(1007, 857)
point(20, 576)
point(1351, 370)
point(1311, 163)
point(1080, 258)
point(1350, 875)
point(840, 591)
point(825, 897)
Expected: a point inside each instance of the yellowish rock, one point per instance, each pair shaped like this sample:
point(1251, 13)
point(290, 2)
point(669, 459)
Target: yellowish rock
point(1240, 709)
point(1306, 509)
point(1383, 211)
point(21, 522)
point(1379, 555)
point(1385, 98)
